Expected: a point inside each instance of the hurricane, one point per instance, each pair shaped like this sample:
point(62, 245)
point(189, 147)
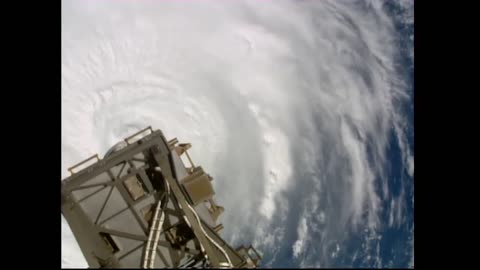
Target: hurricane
point(301, 111)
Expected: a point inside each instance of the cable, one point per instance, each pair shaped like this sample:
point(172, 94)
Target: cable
point(155, 230)
point(222, 264)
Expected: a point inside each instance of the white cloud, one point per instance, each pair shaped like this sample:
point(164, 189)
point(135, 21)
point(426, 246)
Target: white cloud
point(410, 166)
point(71, 255)
point(301, 235)
point(277, 169)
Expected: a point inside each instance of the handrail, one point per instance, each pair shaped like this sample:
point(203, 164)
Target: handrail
point(140, 132)
point(172, 142)
point(83, 162)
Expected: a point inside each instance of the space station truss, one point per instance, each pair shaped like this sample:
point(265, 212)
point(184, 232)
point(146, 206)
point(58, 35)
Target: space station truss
point(141, 207)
